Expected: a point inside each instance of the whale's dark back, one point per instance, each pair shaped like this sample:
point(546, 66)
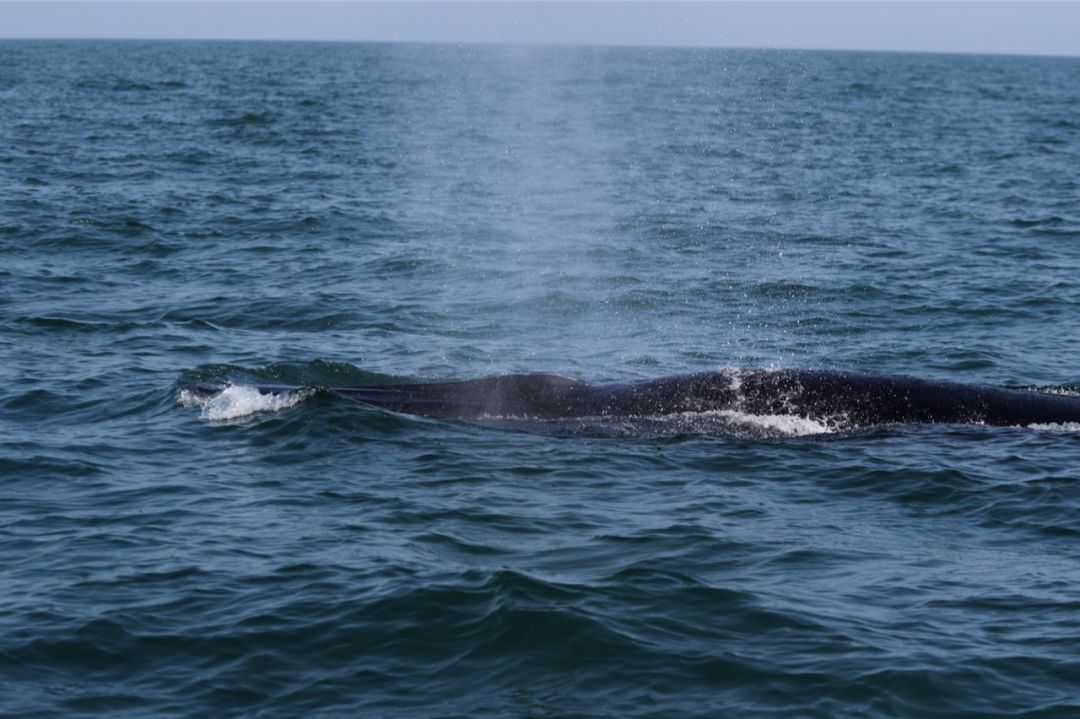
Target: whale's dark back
point(843, 398)
point(521, 395)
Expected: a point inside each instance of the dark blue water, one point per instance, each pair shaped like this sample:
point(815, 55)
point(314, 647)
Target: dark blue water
point(326, 214)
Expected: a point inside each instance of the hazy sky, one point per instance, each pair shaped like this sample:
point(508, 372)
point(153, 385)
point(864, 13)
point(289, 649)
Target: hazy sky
point(970, 26)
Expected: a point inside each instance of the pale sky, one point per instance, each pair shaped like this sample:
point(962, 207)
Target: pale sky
point(1042, 28)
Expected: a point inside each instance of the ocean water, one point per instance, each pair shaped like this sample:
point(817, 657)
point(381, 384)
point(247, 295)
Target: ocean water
point(332, 214)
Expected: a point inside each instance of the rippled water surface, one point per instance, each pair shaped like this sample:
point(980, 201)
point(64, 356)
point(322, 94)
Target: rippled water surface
point(333, 214)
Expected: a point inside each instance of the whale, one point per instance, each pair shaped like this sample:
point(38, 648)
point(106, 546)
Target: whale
point(840, 400)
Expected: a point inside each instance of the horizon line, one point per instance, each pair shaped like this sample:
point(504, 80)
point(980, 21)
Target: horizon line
point(537, 44)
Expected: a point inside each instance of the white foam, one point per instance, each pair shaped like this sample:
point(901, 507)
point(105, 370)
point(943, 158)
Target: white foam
point(774, 425)
point(1069, 427)
point(237, 400)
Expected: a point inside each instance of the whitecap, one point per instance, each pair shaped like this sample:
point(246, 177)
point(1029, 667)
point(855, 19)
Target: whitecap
point(1066, 427)
point(236, 401)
